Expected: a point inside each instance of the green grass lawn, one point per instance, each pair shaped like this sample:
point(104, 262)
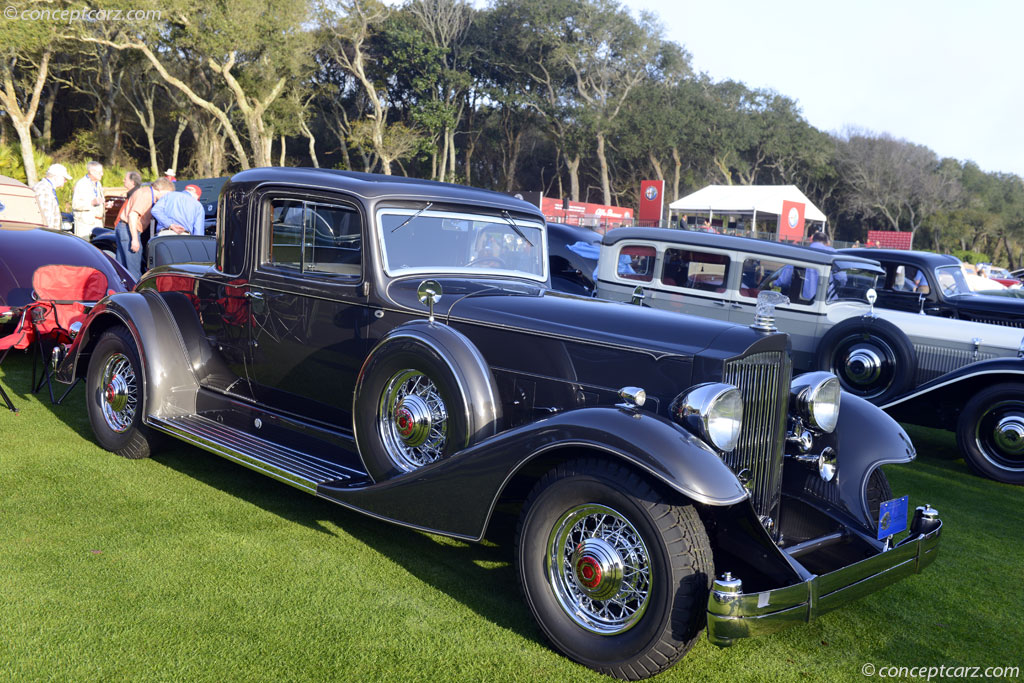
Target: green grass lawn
point(188, 567)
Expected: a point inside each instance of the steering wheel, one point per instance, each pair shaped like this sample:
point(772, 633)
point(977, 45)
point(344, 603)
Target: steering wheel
point(485, 261)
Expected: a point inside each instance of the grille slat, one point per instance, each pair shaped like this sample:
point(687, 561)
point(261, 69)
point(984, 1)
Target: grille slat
point(763, 381)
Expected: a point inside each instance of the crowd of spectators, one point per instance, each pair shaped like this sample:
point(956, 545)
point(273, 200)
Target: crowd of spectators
point(157, 208)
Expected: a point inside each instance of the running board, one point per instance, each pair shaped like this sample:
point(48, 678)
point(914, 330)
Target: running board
point(298, 469)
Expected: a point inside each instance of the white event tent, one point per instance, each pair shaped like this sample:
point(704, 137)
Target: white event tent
point(757, 201)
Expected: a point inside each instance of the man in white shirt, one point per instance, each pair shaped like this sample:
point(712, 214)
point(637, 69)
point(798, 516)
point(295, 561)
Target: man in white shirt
point(87, 201)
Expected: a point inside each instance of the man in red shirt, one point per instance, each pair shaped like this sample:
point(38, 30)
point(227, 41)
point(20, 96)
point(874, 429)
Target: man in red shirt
point(133, 220)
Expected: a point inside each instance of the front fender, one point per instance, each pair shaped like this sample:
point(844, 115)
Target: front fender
point(456, 496)
point(169, 383)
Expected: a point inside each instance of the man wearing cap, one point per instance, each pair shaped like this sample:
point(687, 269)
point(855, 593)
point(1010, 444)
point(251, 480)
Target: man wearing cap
point(87, 200)
point(46, 194)
point(180, 213)
point(133, 221)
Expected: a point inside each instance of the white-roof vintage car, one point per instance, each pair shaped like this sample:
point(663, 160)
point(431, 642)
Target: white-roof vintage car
point(893, 358)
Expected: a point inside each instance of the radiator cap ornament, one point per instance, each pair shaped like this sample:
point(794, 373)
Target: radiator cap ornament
point(764, 314)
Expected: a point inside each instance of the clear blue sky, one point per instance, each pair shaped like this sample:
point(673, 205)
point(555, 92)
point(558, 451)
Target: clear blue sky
point(944, 74)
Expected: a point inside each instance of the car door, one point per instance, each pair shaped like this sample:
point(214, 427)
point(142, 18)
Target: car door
point(309, 310)
point(905, 285)
point(695, 281)
point(803, 283)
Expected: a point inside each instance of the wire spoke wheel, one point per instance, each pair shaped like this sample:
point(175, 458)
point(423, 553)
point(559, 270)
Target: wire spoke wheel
point(412, 420)
point(599, 569)
point(119, 393)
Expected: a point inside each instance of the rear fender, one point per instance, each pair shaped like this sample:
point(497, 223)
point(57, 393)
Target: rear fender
point(169, 382)
point(456, 496)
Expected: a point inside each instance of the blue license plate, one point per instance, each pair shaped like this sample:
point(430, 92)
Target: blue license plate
point(892, 517)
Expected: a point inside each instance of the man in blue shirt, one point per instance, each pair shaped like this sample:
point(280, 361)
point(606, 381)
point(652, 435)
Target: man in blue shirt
point(180, 212)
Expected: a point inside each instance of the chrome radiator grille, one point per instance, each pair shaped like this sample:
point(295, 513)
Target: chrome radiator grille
point(934, 361)
point(763, 380)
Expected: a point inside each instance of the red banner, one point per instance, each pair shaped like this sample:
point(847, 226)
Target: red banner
point(582, 213)
point(652, 201)
point(888, 239)
point(791, 221)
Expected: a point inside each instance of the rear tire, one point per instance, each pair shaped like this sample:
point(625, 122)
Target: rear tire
point(114, 396)
point(616, 576)
point(990, 433)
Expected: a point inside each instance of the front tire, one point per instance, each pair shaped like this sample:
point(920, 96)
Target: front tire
point(616, 576)
point(990, 433)
point(114, 396)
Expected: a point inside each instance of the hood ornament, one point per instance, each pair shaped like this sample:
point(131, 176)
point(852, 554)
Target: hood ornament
point(764, 315)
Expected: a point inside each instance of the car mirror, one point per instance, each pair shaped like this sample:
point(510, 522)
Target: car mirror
point(429, 293)
point(872, 296)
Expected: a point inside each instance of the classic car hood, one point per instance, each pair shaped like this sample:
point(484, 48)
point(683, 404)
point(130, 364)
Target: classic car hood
point(534, 309)
point(1000, 305)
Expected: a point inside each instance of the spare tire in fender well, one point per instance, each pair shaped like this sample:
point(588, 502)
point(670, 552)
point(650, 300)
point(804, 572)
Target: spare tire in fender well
point(463, 370)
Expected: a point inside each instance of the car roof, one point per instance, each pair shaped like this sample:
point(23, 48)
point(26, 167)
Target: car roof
point(746, 244)
point(375, 186)
point(925, 258)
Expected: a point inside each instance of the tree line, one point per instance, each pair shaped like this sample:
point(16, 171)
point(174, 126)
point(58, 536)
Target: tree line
point(576, 98)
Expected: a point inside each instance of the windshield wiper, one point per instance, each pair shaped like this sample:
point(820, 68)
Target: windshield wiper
point(402, 224)
point(508, 217)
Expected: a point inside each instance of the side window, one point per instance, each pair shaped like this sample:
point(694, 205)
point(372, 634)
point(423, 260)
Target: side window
point(907, 278)
point(286, 233)
point(695, 270)
point(333, 239)
point(800, 284)
point(636, 262)
point(315, 237)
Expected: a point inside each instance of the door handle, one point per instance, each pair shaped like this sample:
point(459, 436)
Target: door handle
point(720, 303)
point(736, 306)
point(249, 294)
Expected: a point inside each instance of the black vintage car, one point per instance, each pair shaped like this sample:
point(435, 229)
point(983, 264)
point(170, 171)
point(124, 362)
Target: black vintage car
point(923, 282)
point(394, 346)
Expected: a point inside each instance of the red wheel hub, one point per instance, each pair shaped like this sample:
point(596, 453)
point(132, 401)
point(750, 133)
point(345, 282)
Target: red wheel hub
point(405, 422)
point(588, 572)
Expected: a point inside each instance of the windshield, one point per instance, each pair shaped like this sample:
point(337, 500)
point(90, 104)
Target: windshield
point(951, 281)
point(418, 241)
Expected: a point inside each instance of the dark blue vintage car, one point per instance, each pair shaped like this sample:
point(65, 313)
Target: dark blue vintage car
point(922, 282)
point(394, 346)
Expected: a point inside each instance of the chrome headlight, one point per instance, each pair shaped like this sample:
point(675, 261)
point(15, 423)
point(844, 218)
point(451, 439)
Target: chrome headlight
point(815, 397)
point(713, 411)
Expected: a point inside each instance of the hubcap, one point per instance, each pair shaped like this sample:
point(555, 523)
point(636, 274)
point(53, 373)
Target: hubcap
point(865, 366)
point(999, 435)
point(599, 569)
point(118, 393)
point(412, 420)
point(1009, 435)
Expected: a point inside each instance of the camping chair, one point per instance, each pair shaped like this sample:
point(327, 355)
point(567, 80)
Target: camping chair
point(20, 338)
point(62, 295)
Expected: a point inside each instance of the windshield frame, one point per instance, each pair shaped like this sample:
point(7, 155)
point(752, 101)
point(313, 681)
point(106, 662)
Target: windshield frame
point(499, 221)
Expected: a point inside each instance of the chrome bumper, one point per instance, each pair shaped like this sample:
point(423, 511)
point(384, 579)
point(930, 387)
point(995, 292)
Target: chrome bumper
point(733, 615)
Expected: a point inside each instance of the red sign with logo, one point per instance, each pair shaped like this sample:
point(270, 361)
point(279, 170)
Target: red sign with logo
point(652, 201)
point(791, 221)
point(582, 213)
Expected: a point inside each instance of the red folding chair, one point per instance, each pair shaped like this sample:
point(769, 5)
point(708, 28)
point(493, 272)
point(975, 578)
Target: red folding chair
point(62, 296)
point(21, 338)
